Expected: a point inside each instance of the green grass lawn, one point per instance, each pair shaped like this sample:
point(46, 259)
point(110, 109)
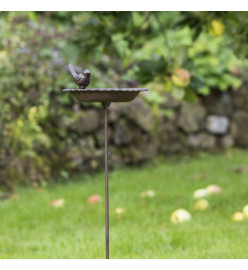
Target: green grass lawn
point(31, 228)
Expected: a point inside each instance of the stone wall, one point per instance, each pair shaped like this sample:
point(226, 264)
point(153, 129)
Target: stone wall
point(137, 133)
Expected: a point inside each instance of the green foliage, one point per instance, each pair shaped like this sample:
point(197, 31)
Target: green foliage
point(185, 53)
point(152, 45)
point(32, 70)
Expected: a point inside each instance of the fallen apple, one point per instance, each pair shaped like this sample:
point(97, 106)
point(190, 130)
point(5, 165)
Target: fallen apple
point(57, 203)
point(213, 189)
point(245, 211)
point(201, 205)
point(94, 199)
point(238, 216)
point(200, 193)
point(119, 211)
point(180, 216)
point(148, 193)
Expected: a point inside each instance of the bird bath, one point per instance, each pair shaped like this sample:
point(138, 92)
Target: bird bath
point(105, 96)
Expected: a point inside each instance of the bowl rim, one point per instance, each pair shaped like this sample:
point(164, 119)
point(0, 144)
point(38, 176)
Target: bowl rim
point(106, 90)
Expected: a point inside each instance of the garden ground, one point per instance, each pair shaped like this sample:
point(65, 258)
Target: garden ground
point(31, 228)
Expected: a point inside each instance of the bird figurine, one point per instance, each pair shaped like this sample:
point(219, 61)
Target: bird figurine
point(83, 79)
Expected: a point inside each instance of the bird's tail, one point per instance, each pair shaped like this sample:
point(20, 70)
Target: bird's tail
point(72, 70)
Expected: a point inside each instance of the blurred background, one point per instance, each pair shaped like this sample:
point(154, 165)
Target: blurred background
point(194, 63)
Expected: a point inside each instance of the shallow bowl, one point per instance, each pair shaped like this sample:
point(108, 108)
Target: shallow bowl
point(106, 94)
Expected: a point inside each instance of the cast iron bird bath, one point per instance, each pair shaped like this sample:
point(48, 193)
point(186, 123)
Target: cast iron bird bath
point(105, 96)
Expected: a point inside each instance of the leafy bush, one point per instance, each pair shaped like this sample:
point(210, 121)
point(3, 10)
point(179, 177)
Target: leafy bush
point(32, 72)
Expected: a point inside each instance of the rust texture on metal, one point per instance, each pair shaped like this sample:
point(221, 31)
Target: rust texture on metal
point(106, 94)
point(106, 180)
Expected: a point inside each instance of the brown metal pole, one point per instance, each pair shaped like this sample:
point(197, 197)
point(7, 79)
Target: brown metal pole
point(106, 180)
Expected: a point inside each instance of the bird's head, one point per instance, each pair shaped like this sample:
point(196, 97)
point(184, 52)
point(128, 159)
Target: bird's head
point(86, 72)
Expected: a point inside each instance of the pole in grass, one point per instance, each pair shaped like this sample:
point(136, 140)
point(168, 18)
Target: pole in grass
point(105, 96)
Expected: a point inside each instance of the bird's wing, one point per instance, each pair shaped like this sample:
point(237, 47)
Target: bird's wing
point(72, 70)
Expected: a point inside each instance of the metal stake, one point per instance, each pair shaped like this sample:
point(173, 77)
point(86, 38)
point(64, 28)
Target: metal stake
point(105, 105)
